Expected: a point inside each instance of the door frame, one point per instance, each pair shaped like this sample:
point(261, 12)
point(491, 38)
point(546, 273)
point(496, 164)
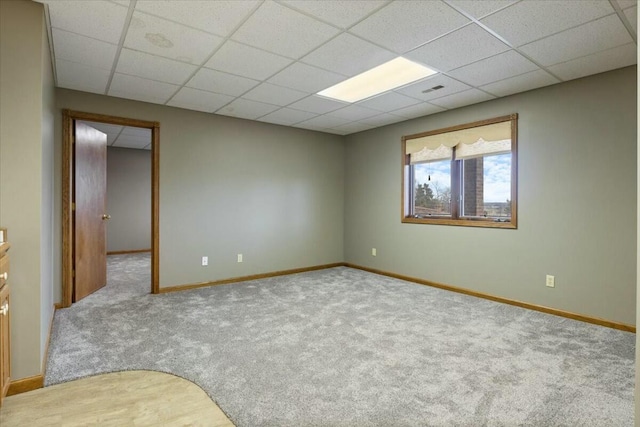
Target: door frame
point(69, 118)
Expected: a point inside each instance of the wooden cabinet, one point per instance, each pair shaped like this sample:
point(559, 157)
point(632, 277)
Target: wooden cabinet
point(5, 329)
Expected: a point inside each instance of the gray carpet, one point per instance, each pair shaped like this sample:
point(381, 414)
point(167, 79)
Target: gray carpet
point(343, 347)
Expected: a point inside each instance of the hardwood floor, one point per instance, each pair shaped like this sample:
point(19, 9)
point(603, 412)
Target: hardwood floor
point(140, 398)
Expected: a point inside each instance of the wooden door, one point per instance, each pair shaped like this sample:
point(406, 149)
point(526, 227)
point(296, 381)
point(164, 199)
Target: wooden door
point(90, 196)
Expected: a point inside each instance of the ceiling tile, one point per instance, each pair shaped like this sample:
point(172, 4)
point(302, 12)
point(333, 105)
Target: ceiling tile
point(404, 25)
point(200, 100)
point(353, 113)
point(131, 87)
point(419, 110)
point(247, 61)
point(273, 94)
point(632, 16)
point(218, 17)
point(107, 128)
point(310, 126)
point(72, 75)
point(415, 90)
point(348, 55)
point(287, 116)
point(388, 101)
point(317, 104)
point(340, 13)
point(98, 19)
point(219, 82)
point(354, 127)
point(139, 140)
point(627, 3)
point(164, 38)
point(383, 119)
point(479, 9)
point(527, 21)
point(319, 129)
point(84, 50)
point(521, 83)
point(306, 78)
point(324, 122)
point(153, 67)
point(499, 67)
point(460, 99)
point(462, 47)
point(137, 132)
point(602, 34)
point(280, 30)
point(600, 62)
point(246, 109)
point(131, 142)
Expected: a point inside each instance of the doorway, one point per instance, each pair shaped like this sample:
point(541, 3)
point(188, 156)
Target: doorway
point(71, 160)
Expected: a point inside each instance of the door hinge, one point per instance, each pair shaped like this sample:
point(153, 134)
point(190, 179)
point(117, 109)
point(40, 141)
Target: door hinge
point(73, 273)
point(73, 206)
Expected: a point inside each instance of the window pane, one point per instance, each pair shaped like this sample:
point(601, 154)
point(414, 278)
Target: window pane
point(432, 188)
point(486, 187)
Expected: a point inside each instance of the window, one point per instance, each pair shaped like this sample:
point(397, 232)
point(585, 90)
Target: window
point(462, 175)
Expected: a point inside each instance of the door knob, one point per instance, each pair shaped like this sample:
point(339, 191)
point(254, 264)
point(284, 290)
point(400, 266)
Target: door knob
point(106, 217)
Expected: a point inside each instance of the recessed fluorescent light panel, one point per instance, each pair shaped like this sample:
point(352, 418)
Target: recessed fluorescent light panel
point(390, 75)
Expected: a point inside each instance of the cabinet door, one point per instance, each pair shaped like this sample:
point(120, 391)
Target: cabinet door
point(4, 270)
point(5, 351)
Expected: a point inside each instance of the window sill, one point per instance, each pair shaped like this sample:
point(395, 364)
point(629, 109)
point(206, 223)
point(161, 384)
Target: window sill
point(486, 223)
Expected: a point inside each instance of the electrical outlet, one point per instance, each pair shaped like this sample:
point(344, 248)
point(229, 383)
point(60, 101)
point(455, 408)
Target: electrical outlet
point(374, 252)
point(239, 257)
point(551, 281)
point(205, 260)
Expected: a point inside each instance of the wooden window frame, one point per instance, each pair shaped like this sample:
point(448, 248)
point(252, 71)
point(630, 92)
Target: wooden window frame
point(455, 218)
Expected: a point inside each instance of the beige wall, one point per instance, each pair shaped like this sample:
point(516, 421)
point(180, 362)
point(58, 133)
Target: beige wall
point(637, 391)
point(25, 150)
point(229, 186)
point(128, 199)
point(48, 280)
point(576, 203)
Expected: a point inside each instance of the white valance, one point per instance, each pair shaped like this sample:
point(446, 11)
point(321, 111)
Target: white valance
point(426, 155)
point(482, 148)
point(496, 132)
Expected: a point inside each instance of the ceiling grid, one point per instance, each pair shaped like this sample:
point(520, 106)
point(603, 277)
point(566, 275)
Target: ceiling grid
point(266, 60)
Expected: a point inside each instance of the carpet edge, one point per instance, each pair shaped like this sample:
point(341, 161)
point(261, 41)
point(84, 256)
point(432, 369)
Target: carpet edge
point(544, 309)
point(189, 286)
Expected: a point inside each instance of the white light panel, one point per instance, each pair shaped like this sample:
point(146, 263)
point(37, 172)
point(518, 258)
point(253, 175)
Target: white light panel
point(390, 75)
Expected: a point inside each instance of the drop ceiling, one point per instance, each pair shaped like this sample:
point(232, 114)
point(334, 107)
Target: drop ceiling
point(265, 60)
point(124, 136)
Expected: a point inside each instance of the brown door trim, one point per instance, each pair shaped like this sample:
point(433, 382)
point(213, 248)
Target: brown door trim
point(68, 120)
